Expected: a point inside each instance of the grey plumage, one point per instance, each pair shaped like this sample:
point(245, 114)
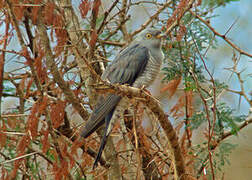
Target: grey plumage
point(136, 65)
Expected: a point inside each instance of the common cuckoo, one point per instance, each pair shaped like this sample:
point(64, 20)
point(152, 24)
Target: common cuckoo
point(136, 65)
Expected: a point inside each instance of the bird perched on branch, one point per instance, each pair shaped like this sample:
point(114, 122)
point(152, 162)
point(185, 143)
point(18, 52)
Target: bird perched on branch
point(136, 65)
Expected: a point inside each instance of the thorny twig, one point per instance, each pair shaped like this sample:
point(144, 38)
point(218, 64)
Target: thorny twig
point(210, 126)
point(241, 81)
point(222, 138)
point(223, 36)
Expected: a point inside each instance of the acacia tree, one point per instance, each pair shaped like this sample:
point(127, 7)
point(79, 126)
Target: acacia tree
point(62, 51)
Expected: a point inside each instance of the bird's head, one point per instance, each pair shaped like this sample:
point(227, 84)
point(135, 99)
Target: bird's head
point(150, 37)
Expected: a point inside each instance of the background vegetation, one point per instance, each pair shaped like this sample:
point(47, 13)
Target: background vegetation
point(59, 49)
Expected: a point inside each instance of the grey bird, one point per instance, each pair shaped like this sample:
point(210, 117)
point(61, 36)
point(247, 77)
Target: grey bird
point(136, 65)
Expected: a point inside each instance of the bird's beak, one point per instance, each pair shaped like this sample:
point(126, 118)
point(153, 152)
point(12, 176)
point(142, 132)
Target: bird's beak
point(161, 35)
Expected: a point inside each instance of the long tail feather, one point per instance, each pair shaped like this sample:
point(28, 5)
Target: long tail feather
point(97, 118)
point(104, 138)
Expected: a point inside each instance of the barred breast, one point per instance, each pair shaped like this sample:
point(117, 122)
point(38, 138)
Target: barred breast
point(150, 73)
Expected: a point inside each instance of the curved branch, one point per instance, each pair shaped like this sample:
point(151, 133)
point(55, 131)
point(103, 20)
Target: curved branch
point(155, 107)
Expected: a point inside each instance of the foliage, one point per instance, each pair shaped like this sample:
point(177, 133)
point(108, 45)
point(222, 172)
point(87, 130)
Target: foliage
point(60, 59)
point(214, 3)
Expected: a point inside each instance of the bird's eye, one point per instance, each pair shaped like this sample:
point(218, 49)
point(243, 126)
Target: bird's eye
point(148, 35)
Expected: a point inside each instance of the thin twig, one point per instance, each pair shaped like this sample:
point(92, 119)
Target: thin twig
point(144, 25)
point(222, 138)
point(17, 158)
point(223, 36)
point(154, 106)
point(104, 22)
point(210, 126)
point(70, 96)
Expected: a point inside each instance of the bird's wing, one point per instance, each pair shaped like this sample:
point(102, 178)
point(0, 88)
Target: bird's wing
point(127, 66)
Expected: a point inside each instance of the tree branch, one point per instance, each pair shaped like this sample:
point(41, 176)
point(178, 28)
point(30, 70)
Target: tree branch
point(223, 36)
point(144, 25)
point(154, 106)
point(71, 98)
